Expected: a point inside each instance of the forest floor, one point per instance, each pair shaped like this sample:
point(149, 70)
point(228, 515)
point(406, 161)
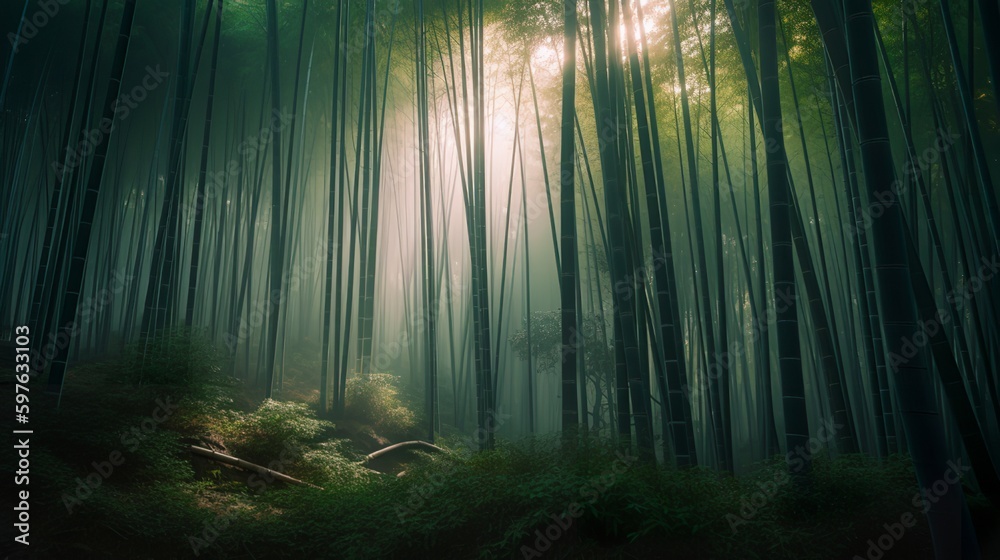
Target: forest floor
point(111, 477)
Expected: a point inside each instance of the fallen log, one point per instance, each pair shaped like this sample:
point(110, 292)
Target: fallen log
point(264, 471)
point(422, 445)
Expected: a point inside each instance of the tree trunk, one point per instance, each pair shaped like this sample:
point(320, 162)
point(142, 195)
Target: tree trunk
point(785, 297)
point(948, 518)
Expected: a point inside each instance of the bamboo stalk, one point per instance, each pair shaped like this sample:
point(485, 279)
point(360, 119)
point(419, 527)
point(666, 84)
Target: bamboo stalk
point(403, 445)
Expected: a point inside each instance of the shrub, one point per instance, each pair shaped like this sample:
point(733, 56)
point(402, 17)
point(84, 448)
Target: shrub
point(261, 435)
point(374, 400)
point(334, 463)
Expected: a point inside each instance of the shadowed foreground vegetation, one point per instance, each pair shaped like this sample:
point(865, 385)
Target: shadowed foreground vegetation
point(161, 502)
point(632, 252)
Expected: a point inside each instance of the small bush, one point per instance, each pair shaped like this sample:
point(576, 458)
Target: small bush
point(374, 400)
point(334, 463)
point(261, 435)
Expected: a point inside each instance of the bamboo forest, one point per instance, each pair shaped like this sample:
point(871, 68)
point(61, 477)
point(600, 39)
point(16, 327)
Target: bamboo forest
point(500, 279)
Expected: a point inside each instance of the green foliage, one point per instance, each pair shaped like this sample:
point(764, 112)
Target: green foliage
point(440, 509)
point(182, 359)
point(529, 21)
point(546, 342)
point(334, 463)
point(373, 399)
point(158, 459)
point(208, 407)
point(546, 351)
point(275, 426)
point(165, 514)
point(456, 504)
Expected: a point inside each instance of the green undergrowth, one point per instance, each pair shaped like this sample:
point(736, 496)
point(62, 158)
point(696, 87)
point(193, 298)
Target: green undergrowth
point(459, 504)
point(373, 399)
